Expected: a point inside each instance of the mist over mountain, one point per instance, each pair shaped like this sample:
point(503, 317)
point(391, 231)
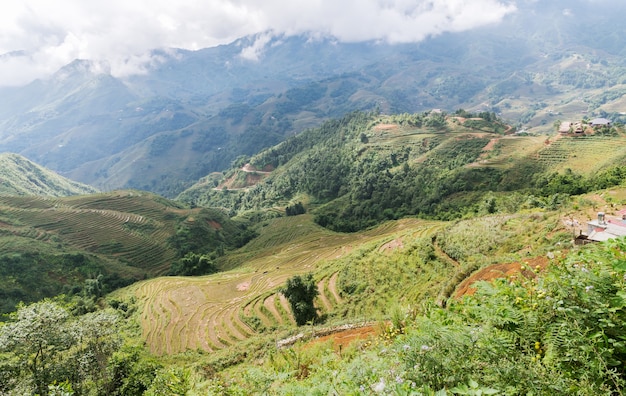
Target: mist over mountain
point(194, 112)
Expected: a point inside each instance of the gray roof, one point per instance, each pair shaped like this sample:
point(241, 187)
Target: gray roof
point(600, 121)
point(607, 230)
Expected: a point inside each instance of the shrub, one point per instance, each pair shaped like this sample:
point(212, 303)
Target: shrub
point(300, 292)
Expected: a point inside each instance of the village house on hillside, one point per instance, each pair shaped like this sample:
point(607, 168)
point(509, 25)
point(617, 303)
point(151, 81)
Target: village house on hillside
point(600, 122)
point(567, 127)
point(604, 228)
point(580, 128)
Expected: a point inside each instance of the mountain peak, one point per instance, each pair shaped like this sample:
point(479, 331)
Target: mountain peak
point(82, 68)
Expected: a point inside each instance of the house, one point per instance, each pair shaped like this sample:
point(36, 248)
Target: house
point(603, 228)
point(565, 127)
point(578, 128)
point(600, 122)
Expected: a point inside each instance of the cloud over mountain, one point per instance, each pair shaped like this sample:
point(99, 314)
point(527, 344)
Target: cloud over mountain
point(39, 36)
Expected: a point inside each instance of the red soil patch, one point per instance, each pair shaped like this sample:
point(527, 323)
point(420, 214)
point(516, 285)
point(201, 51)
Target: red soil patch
point(215, 225)
point(491, 144)
point(489, 147)
point(344, 338)
point(508, 270)
point(253, 178)
point(243, 286)
point(250, 168)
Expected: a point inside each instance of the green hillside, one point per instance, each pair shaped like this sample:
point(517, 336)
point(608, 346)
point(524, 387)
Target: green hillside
point(52, 245)
point(19, 176)
point(365, 168)
point(381, 286)
point(433, 203)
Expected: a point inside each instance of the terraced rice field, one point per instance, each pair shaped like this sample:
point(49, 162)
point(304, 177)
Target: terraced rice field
point(510, 149)
point(583, 154)
point(215, 311)
point(132, 228)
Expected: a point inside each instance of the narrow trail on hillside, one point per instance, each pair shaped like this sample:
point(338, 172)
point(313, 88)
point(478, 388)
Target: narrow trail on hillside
point(322, 296)
point(332, 286)
point(249, 169)
point(440, 253)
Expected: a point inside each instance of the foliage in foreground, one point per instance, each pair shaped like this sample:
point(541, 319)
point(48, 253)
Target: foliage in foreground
point(45, 350)
point(556, 331)
point(560, 331)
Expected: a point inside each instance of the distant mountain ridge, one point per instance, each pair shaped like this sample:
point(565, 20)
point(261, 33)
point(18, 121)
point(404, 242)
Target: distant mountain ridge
point(194, 112)
point(19, 176)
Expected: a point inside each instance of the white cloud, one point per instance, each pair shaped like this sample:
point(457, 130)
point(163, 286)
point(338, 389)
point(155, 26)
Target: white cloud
point(253, 52)
point(122, 32)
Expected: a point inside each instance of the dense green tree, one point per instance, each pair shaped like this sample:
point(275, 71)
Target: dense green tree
point(36, 336)
point(295, 209)
point(193, 265)
point(301, 292)
point(50, 346)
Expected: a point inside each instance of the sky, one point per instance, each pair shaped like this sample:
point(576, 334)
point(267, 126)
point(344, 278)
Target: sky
point(37, 37)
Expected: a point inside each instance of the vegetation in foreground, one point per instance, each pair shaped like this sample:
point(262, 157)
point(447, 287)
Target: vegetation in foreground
point(553, 331)
point(544, 332)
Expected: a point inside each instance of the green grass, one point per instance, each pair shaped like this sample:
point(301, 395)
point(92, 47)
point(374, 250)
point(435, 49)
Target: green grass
point(19, 176)
point(132, 228)
point(360, 275)
point(123, 235)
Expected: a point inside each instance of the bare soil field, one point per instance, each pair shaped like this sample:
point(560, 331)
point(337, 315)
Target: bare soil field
point(504, 270)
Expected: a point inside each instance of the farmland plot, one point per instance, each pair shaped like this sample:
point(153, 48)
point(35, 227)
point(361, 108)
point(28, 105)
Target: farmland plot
point(215, 311)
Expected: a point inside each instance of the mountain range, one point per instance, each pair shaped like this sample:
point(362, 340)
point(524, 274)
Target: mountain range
point(194, 112)
point(420, 201)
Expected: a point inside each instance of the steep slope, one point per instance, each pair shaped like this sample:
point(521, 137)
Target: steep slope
point(19, 176)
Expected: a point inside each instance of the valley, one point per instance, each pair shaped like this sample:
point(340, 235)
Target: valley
point(233, 235)
point(162, 131)
point(318, 212)
point(216, 311)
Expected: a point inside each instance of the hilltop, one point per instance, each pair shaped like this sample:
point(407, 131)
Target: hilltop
point(19, 176)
